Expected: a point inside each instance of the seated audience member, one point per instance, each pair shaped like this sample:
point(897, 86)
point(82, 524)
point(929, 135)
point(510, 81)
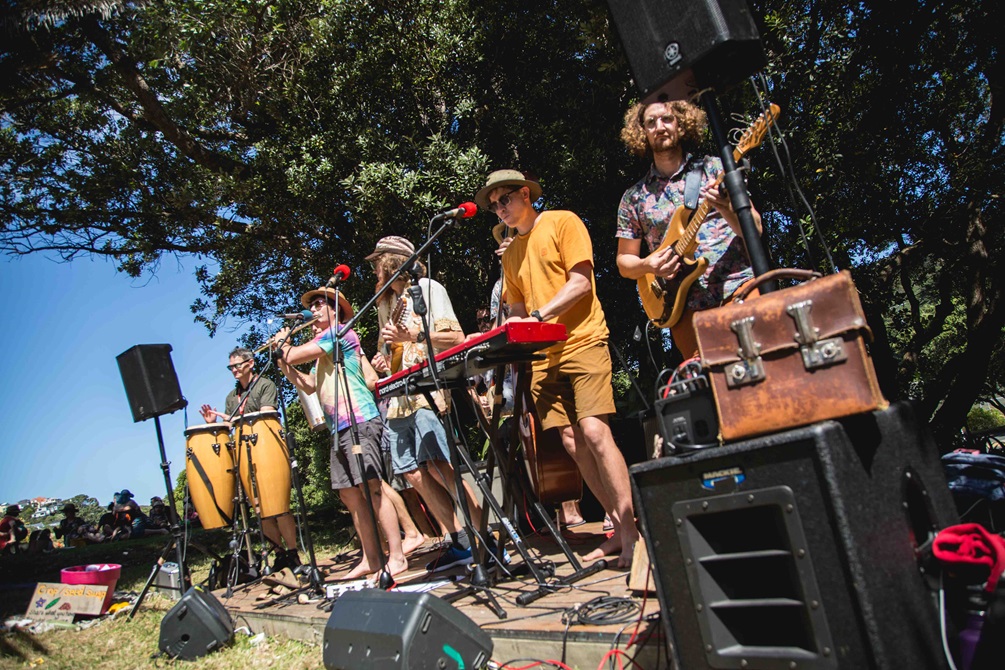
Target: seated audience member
point(158, 516)
point(130, 521)
point(74, 531)
point(12, 530)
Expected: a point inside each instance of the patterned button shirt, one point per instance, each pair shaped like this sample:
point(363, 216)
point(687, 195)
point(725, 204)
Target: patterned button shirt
point(645, 212)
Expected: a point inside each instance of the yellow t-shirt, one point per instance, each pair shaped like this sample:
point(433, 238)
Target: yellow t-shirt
point(537, 265)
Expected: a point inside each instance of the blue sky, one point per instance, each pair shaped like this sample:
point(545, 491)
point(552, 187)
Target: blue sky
point(65, 423)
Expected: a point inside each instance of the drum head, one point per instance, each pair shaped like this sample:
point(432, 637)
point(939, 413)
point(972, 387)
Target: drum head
point(222, 427)
point(251, 417)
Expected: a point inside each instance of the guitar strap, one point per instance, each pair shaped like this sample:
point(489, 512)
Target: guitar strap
point(692, 183)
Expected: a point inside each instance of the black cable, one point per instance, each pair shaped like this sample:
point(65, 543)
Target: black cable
point(607, 610)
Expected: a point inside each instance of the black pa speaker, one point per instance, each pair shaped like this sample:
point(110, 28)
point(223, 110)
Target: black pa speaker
point(150, 380)
point(382, 630)
point(678, 48)
point(798, 550)
point(195, 626)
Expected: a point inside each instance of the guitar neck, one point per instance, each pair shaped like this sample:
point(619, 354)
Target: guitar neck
point(700, 212)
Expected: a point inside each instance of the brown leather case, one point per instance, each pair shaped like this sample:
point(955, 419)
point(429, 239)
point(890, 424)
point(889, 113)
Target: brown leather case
point(788, 358)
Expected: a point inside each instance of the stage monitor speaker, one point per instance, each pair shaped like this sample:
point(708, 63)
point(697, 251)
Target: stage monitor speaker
point(195, 626)
point(798, 550)
point(383, 630)
point(150, 380)
point(678, 48)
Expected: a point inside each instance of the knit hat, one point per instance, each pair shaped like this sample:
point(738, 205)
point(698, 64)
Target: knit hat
point(392, 244)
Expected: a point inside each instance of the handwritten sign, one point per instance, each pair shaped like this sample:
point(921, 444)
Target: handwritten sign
point(59, 602)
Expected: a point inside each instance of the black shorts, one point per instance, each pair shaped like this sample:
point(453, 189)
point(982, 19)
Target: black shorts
point(344, 468)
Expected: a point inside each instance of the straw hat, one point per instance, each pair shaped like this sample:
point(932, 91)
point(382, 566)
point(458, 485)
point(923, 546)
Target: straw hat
point(392, 244)
point(506, 178)
point(345, 309)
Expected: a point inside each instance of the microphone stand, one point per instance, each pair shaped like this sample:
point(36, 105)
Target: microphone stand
point(313, 574)
point(385, 581)
point(733, 180)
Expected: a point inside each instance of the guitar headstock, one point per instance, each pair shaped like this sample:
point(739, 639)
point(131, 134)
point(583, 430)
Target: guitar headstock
point(754, 135)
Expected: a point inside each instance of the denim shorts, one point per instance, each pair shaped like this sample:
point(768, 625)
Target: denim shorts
point(416, 440)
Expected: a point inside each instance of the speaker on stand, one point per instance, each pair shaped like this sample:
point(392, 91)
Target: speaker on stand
point(150, 381)
point(798, 549)
point(676, 48)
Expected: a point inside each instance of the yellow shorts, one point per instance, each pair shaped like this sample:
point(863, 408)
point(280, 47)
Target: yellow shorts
point(574, 389)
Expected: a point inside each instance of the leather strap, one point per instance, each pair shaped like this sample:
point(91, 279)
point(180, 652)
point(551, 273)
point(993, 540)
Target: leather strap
point(209, 487)
point(692, 184)
point(790, 273)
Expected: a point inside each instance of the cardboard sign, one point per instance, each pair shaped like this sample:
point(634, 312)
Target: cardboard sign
point(59, 602)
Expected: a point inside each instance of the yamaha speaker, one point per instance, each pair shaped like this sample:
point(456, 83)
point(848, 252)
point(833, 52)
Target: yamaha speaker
point(150, 380)
point(195, 626)
point(676, 48)
point(383, 630)
point(798, 550)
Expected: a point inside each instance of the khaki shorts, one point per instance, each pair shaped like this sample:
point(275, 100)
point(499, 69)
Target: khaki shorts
point(574, 389)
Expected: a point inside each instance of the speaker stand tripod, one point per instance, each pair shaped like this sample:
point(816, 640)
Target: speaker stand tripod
point(176, 535)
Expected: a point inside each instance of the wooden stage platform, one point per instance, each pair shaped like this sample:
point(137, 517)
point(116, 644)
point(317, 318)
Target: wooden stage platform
point(542, 630)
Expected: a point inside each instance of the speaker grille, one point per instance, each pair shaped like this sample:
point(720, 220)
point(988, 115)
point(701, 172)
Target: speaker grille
point(752, 580)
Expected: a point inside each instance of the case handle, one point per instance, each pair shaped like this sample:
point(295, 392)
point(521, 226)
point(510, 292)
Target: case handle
point(790, 273)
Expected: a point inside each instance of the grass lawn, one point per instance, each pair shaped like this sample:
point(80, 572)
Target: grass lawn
point(123, 644)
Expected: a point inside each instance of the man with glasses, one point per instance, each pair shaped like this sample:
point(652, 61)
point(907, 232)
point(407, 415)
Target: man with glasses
point(347, 386)
point(419, 450)
point(548, 268)
point(670, 133)
point(260, 398)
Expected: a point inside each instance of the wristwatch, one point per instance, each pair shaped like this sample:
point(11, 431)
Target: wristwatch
point(537, 315)
point(420, 337)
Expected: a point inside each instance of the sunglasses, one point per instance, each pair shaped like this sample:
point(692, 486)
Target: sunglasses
point(234, 366)
point(318, 303)
point(503, 200)
point(652, 121)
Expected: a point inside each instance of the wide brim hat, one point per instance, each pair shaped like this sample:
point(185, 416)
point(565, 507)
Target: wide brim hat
point(506, 178)
point(392, 244)
point(13, 510)
point(345, 309)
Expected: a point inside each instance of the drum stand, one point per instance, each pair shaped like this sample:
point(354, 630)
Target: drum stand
point(176, 535)
point(311, 569)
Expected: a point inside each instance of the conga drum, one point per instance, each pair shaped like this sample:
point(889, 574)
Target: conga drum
point(260, 433)
point(209, 468)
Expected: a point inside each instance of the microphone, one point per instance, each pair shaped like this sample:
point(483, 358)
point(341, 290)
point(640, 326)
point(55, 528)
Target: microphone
point(297, 316)
point(465, 210)
point(340, 273)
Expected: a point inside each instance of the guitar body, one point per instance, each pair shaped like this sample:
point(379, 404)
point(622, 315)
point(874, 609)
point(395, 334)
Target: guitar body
point(553, 474)
point(663, 299)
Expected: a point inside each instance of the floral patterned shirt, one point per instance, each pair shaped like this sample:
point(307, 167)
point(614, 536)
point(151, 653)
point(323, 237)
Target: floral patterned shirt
point(645, 212)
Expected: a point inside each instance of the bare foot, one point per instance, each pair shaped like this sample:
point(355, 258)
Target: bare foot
point(359, 570)
point(397, 566)
point(609, 547)
point(410, 544)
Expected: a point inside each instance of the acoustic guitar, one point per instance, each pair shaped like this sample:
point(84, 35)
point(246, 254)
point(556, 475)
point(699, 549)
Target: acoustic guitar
point(663, 299)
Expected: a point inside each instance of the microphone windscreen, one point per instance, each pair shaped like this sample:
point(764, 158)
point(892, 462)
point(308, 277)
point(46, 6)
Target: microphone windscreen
point(470, 209)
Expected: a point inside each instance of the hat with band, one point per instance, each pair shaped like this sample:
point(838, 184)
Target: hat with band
point(506, 178)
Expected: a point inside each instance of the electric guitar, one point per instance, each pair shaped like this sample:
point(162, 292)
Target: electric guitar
point(663, 299)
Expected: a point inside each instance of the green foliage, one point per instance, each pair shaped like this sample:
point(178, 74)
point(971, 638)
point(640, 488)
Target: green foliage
point(983, 418)
point(276, 140)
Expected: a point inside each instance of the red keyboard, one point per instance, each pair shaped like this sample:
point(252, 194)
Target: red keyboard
point(509, 343)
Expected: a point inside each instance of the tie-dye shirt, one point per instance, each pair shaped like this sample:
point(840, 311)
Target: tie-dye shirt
point(645, 212)
point(360, 396)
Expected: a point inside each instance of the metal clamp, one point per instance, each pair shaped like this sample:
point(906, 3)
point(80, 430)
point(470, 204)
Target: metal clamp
point(816, 353)
point(750, 369)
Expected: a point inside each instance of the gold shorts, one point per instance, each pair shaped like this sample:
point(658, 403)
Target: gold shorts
point(574, 389)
